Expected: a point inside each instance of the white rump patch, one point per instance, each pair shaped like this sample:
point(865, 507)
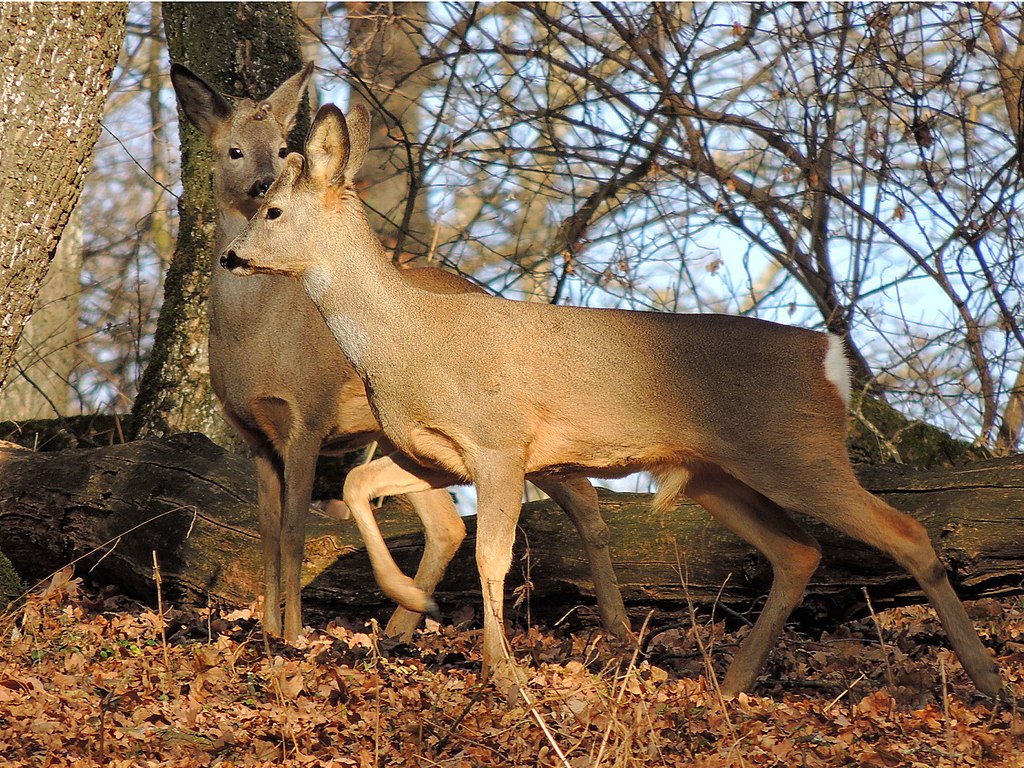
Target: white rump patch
point(837, 367)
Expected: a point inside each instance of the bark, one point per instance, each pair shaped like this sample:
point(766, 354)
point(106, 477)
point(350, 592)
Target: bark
point(57, 60)
point(242, 50)
point(194, 505)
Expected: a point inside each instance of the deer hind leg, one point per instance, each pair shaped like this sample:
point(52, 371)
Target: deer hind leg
point(792, 552)
point(579, 500)
point(385, 477)
point(868, 518)
point(269, 487)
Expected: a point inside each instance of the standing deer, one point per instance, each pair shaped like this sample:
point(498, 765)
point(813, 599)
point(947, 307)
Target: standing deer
point(744, 416)
point(288, 390)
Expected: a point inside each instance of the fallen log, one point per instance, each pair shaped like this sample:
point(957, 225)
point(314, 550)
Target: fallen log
point(192, 507)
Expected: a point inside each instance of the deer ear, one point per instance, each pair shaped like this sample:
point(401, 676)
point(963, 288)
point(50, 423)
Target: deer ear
point(204, 107)
point(359, 140)
point(284, 102)
point(327, 147)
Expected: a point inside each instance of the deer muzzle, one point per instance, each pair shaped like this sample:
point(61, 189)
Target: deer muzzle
point(260, 186)
point(231, 261)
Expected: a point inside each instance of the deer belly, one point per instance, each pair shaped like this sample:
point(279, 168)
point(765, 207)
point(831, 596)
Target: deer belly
point(432, 447)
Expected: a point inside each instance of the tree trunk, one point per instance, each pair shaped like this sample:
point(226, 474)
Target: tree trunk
point(385, 41)
point(39, 386)
point(242, 50)
point(57, 62)
point(194, 505)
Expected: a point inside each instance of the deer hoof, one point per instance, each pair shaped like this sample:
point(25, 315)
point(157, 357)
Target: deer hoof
point(432, 610)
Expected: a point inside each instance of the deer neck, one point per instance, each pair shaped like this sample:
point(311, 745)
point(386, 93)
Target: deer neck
point(361, 295)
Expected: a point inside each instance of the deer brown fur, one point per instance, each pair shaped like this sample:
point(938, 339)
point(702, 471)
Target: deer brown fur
point(288, 390)
point(745, 416)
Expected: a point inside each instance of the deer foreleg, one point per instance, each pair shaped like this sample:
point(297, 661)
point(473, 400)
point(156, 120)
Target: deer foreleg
point(443, 533)
point(269, 488)
point(499, 485)
point(299, 472)
point(383, 477)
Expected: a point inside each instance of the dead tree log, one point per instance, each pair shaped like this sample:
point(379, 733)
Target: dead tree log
point(110, 509)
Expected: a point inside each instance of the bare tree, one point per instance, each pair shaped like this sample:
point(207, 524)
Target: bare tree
point(129, 216)
point(58, 59)
point(39, 385)
point(1008, 52)
point(386, 70)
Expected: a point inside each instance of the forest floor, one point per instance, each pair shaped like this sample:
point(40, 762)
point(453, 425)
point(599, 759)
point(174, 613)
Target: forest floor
point(89, 678)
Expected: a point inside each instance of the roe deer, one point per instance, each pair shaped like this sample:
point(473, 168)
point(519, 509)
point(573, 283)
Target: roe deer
point(288, 390)
point(744, 416)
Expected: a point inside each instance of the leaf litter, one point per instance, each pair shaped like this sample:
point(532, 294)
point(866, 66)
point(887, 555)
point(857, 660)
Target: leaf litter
point(88, 679)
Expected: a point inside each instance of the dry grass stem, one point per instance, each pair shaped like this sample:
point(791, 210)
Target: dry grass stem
point(881, 640)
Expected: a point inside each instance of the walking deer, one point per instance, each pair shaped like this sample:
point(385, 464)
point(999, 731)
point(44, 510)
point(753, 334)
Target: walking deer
point(288, 390)
point(744, 416)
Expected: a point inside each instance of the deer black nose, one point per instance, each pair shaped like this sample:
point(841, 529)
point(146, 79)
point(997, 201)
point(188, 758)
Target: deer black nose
point(260, 187)
point(230, 260)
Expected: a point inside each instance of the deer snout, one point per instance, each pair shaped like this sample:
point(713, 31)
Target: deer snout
point(230, 261)
point(260, 186)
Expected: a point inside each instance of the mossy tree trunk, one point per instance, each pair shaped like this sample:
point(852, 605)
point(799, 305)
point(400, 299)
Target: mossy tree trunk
point(242, 50)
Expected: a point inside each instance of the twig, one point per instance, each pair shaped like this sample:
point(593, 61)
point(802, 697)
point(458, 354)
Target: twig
point(531, 705)
point(705, 651)
point(443, 742)
point(105, 554)
point(375, 646)
point(109, 542)
point(945, 710)
point(622, 688)
point(846, 691)
point(275, 679)
point(163, 623)
point(885, 650)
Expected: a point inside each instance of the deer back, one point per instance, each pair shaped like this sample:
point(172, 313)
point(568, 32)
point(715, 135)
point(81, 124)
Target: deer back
point(601, 390)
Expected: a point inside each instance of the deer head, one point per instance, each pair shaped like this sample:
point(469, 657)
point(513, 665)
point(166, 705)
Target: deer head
point(248, 137)
point(284, 234)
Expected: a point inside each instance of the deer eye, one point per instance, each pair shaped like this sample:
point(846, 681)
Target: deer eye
point(273, 213)
point(235, 153)
point(282, 152)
